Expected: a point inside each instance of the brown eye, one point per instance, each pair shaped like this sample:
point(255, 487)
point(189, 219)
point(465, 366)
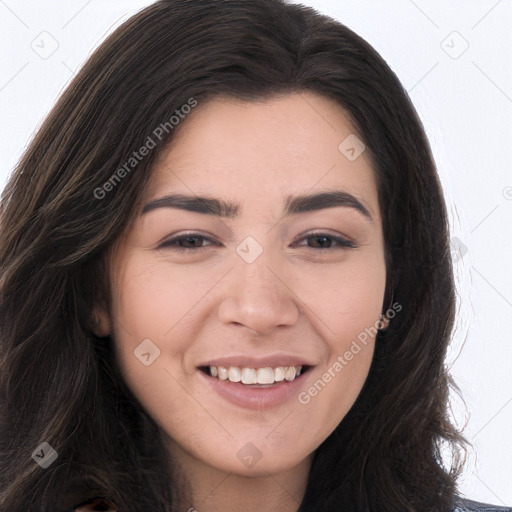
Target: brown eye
point(322, 241)
point(186, 242)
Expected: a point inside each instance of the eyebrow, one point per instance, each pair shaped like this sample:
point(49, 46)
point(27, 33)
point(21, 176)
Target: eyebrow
point(224, 209)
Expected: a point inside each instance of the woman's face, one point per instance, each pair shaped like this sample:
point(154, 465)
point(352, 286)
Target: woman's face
point(272, 282)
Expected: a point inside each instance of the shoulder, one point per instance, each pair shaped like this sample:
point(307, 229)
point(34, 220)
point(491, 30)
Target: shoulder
point(461, 505)
point(465, 505)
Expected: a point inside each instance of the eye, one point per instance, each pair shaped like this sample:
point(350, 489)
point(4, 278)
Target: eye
point(323, 241)
point(186, 242)
point(193, 241)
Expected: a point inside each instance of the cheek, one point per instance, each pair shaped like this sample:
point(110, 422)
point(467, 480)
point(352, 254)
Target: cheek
point(349, 308)
point(152, 302)
point(346, 297)
point(149, 307)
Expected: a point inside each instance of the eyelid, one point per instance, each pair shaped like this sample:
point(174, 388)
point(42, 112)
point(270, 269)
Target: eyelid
point(176, 238)
point(341, 241)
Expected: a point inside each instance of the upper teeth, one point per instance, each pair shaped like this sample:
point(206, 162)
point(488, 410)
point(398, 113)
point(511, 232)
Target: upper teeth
point(265, 375)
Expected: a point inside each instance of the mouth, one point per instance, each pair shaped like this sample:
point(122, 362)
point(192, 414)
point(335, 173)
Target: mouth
point(259, 387)
point(262, 377)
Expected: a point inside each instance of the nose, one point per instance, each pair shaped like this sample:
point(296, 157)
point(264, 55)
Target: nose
point(259, 298)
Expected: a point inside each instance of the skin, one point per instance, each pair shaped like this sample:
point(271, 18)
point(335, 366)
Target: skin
point(296, 297)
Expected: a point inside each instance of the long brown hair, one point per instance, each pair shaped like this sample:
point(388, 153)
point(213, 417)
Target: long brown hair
point(59, 383)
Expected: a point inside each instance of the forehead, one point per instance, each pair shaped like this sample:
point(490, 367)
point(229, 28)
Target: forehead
point(258, 150)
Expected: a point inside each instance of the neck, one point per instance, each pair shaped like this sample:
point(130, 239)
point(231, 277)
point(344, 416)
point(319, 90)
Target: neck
point(204, 488)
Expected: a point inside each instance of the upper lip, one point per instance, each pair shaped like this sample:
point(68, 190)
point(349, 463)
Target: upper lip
point(272, 360)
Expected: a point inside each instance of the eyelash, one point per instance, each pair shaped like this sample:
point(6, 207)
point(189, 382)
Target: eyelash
point(343, 243)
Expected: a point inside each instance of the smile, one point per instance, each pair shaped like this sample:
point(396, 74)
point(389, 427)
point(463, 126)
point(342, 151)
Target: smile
point(253, 376)
point(255, 385)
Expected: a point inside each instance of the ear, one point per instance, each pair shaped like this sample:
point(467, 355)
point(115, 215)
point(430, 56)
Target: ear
point(383, 323)
point(101, 322)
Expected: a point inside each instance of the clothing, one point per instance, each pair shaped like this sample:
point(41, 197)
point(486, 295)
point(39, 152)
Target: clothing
point(461, 505)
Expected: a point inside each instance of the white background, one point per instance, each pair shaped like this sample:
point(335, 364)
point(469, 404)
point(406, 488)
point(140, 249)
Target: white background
point(464, 98)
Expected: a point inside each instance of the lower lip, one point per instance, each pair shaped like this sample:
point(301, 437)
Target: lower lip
point(253, 397)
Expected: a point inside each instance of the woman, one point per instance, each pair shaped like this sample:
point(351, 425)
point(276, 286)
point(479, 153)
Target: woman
point(226, 278)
